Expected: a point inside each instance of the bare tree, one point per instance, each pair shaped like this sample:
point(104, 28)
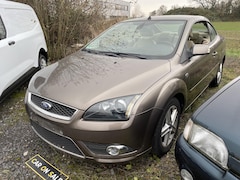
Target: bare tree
point(162, 10)
point(175, 6)
point(153, 13)
point(207, 4)
point(69, 22)
point(137, 12)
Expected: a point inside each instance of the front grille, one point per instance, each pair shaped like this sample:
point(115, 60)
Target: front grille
point(56, 109)
point(60, 142)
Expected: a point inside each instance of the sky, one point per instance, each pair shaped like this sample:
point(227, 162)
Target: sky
point(148, 6)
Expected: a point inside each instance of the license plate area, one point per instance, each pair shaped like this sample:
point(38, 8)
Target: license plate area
point(46, 124)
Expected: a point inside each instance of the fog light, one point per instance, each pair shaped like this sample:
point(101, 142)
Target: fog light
point(115, 150)
point(186, 175)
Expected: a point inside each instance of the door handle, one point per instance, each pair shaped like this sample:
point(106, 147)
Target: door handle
point(10, 43)
point(214, 53)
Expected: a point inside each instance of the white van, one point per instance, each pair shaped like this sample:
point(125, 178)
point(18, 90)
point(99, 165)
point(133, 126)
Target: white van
point(23, 48)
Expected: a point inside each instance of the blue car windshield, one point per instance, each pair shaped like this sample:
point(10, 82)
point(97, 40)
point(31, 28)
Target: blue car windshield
point(143, 39)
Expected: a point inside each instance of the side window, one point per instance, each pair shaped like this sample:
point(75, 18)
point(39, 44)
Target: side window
point(20, 20)
point(2, 30)
point(212, 32)
point(200, 33)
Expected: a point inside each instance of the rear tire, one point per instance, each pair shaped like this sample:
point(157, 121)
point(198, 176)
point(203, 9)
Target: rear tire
point(166, 130)
point(216, 81)
point(42, 60)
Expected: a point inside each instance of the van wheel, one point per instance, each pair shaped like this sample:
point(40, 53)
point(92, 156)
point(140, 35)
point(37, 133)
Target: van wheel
point(42, 60)
point(166, 130)
point(216, 81)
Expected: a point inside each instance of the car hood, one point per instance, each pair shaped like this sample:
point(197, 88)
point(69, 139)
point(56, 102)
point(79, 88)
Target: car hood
point(83, 79)
point(220, 114)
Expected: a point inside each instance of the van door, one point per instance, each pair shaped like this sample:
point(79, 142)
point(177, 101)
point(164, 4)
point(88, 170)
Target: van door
point(17, 49)
point(22, 32)
point(8, 59)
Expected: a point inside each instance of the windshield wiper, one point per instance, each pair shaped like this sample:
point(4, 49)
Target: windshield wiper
point(139, 56)
point(91, 51)
point(107, 53)
point(116, 54)
point(120, 54)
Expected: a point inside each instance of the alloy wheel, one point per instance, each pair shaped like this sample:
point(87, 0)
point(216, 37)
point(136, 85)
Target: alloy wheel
point(169, 128)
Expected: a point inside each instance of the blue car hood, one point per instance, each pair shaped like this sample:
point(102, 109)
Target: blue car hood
point(221, 115)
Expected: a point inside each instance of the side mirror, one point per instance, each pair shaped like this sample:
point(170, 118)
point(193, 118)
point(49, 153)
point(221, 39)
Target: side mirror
point(200, 49)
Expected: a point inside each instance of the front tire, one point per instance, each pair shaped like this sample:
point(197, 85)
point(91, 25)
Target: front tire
point(166, 130)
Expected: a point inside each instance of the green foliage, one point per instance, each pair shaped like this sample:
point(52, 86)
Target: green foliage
point(231, 32)
point(227, 26)
point(216, 14)
point(193, 11)
point(128, 167)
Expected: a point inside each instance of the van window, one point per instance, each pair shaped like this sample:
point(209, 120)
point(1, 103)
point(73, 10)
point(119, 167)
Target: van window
point(2, 30)
point(20, 20)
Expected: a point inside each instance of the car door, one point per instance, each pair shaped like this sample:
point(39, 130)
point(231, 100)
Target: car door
point(201, 68)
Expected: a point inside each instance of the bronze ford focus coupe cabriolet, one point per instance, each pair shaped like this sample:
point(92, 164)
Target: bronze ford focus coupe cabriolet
point(123, 93)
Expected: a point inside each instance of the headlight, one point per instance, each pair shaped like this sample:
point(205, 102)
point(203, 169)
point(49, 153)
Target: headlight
point(206, 142)
point(113, 109)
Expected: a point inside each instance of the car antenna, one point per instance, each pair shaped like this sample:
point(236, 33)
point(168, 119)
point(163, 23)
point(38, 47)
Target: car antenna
point(149, 18)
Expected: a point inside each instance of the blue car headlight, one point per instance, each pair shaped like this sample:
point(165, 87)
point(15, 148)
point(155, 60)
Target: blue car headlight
point(206, 142)
point(112, 109)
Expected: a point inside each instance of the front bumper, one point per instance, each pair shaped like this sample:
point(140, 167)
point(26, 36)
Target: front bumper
point(197, 165)
point(90, 139)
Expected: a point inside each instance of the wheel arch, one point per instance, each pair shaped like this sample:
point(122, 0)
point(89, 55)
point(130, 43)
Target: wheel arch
point(170, 114)
point(175, 88)
point(43, 52)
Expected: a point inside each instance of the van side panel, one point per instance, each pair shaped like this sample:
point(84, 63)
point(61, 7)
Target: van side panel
point(22, 43)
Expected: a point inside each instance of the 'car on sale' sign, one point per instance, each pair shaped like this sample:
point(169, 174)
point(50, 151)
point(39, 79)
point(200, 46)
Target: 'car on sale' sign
point(44, 169)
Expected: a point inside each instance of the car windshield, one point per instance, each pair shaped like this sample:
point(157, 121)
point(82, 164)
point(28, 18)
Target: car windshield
point(139, 39)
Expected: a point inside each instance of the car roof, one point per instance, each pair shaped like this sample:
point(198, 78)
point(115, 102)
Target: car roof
point(172, 17)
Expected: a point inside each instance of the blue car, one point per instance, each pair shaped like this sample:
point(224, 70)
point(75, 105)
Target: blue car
point(209, 147)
